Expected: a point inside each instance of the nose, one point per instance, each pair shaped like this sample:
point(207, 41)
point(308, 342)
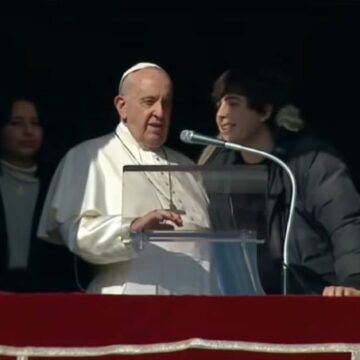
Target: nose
point(222, 111)
point(28, 128)
point(159, 109)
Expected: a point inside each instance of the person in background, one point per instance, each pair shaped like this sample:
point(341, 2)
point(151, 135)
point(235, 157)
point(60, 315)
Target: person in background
point(26, 265)
point(254, 108)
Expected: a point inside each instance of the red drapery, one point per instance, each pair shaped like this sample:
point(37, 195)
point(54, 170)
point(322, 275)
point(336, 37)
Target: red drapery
point(90, 321)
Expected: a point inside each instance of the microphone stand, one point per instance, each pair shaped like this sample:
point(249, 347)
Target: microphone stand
point(191, 137)
point(237, 147)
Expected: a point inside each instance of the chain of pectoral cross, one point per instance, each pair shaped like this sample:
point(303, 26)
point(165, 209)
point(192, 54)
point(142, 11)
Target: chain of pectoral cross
point(172, 206)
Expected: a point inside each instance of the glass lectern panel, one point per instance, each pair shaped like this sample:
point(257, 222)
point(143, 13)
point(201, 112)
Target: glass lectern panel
point(205, 242)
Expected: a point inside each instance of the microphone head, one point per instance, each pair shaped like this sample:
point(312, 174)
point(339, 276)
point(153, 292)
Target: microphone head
point(186, 136)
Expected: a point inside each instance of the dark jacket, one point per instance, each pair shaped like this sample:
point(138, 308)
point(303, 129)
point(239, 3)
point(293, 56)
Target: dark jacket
point(50, 267)
point(325, 239)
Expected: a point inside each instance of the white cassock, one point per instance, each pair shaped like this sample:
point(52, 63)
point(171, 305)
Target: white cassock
point(84, 209)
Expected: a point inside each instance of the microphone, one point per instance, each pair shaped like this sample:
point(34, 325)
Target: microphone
point(191, 137)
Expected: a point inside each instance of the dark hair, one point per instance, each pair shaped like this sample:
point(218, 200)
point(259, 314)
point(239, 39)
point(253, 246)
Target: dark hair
point(259, 84)
point(7, 100)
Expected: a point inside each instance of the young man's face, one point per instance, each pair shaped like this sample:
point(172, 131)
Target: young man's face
point(236, 121)
point(145, 107)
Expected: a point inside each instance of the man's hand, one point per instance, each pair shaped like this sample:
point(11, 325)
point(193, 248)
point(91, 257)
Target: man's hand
point(340, 291)
point(154, 220)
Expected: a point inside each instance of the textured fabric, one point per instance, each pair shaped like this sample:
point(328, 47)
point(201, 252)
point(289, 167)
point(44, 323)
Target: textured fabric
point(88, 209)
point(87, 322)
point(49, 267)
point(19, 190)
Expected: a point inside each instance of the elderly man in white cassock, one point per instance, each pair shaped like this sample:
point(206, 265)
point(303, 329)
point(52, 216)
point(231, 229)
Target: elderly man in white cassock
point(84, 207)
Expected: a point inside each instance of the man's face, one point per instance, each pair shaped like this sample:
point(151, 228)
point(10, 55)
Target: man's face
point(236, 121)
point(145, 106)
point(22, 134)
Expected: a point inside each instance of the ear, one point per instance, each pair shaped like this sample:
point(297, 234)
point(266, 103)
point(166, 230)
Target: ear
point(120, 105)
point(267, 112)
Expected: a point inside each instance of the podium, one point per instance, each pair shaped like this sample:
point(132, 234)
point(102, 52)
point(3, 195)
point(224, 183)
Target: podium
point(93, 326)
point(214, 252)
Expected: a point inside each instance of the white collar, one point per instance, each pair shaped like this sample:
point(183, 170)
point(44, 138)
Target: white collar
point(14, 168)
point(140, 153)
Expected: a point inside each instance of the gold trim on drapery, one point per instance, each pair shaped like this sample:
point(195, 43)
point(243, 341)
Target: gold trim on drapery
point(23, 353)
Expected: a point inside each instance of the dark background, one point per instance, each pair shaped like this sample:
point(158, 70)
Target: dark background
point(72, 54)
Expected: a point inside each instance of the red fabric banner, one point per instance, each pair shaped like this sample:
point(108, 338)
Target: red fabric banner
point(84, 321)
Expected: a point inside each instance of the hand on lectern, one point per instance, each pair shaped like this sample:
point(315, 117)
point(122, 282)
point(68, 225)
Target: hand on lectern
point(340, 291)
point(155, 220)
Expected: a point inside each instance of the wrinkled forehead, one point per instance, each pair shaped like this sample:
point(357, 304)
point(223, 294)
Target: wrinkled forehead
point(148, 83)
point(139, 67)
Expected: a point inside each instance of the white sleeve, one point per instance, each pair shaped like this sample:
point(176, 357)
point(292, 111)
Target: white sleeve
point(100, 239)
point(83, 208)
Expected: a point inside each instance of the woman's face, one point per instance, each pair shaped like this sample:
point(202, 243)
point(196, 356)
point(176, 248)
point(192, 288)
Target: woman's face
point(22, 135)
point(236, 121)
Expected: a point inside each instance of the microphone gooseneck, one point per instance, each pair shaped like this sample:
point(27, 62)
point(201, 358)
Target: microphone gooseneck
point(238, 147)
point(191, 137)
